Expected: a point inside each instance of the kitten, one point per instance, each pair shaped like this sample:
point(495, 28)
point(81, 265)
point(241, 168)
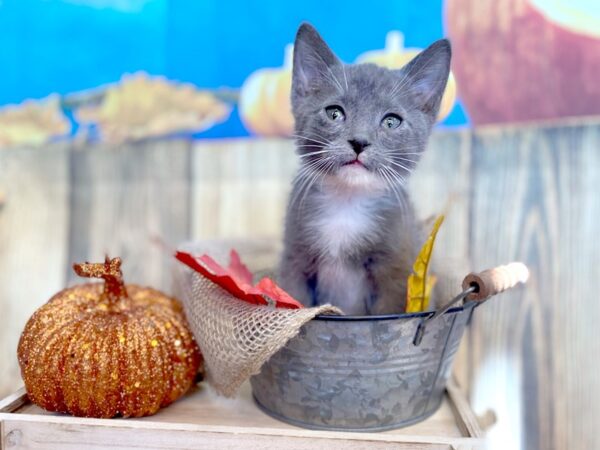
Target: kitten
point(351, 235)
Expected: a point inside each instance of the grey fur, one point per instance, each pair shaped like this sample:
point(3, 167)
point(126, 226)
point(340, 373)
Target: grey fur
point(351, 235)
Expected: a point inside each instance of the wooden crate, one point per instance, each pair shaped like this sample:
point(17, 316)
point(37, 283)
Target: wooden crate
point(203, 420)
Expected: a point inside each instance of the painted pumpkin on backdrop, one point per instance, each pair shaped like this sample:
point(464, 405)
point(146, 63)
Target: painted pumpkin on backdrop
point(395, 56)
point(523, 60)
point(264, 104)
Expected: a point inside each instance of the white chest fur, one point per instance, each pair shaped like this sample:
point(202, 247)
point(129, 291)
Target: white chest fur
point(344, 222)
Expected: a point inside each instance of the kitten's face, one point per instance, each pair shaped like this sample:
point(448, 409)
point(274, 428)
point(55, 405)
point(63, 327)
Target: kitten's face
point(361, 126)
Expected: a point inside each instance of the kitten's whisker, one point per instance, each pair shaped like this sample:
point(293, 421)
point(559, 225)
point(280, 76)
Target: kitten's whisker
point(390, 184)
point(395, 89)
point(402, 166)
point(398, 86)
point(306, 189)
point(315, 141)
point(329, 76)
point(401, 156)
point(321, 136)
point(330, 71)
point(398, 160)
point(400, 180)
point(398, 177)
point(305, 155)
point(311, 139)
point(308, 168)
point(307, 184)
point(314, 165)
point(396, 154)
point(404, 152)
point(408, 75)
point(319, 176)
point(326, 149)
point(397, 188)
point(300, 182)
point(404, 159)
point(306, 174)
point(319, 152)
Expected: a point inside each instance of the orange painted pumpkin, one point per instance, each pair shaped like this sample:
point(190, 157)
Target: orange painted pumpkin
point(107, 349)
point(395, 56)
point(264, 105)
point(524, 60)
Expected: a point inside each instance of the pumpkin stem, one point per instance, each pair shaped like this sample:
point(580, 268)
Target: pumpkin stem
point(110, 272)
point(288, 56)
point(394, 41)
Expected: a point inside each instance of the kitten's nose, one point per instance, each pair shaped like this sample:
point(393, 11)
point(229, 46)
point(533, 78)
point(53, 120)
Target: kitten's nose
point(358, 145)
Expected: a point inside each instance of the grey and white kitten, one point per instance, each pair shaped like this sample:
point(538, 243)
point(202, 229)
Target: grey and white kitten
point(351, 234)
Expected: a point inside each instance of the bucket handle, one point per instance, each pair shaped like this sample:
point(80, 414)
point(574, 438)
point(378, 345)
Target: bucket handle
point(478, 287)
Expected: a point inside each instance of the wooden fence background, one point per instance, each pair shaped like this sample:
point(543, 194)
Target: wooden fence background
point(514, 193)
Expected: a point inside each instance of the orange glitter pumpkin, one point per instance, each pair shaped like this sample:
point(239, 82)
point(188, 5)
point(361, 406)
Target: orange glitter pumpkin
point(107, 349)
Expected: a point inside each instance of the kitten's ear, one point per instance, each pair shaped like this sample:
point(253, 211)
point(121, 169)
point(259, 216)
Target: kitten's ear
point(312, 60)
point(428, 73)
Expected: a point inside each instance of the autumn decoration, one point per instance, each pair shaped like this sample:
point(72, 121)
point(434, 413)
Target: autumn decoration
point(107, 349)
point(420, 283)
point(32, 123)
point(264, 104)
point(141, 106)
point(525, 60)
point(237, 280)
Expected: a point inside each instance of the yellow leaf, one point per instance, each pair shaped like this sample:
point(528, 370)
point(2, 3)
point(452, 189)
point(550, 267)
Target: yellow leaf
point(419, 283)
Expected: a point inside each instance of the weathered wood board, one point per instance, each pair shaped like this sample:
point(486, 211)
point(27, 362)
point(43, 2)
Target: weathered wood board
point(535, 351)
point(133, 202)
point(34, 226)
point(204, 420)
point(240, 188)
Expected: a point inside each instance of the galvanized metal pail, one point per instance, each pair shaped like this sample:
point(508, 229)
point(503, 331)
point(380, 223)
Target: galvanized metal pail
point(373, 373)
point(361, 373)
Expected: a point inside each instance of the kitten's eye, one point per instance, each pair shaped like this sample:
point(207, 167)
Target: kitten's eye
point(335, 112)
point(391, 121)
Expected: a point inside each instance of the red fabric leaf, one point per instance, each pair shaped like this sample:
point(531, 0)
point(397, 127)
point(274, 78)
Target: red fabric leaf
point(238, 269)
point(272, 290)
point(237, 280)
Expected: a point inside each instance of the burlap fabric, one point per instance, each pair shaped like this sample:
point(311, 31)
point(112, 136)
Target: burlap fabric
point(236, 338)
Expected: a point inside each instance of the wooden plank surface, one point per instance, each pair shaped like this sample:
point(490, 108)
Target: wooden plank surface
point(203, 418)
point(122, 199)
point(204, 407)
point(466, 420)
point(34, 225)
point(33, 435)
point(14, 401)
point(535, 350)
point(240, 187)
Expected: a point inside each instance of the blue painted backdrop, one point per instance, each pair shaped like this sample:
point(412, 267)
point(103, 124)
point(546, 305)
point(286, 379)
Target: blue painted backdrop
point(70, 45)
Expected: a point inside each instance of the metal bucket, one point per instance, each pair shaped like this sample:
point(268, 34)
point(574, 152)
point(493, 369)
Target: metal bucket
point(362, 373)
